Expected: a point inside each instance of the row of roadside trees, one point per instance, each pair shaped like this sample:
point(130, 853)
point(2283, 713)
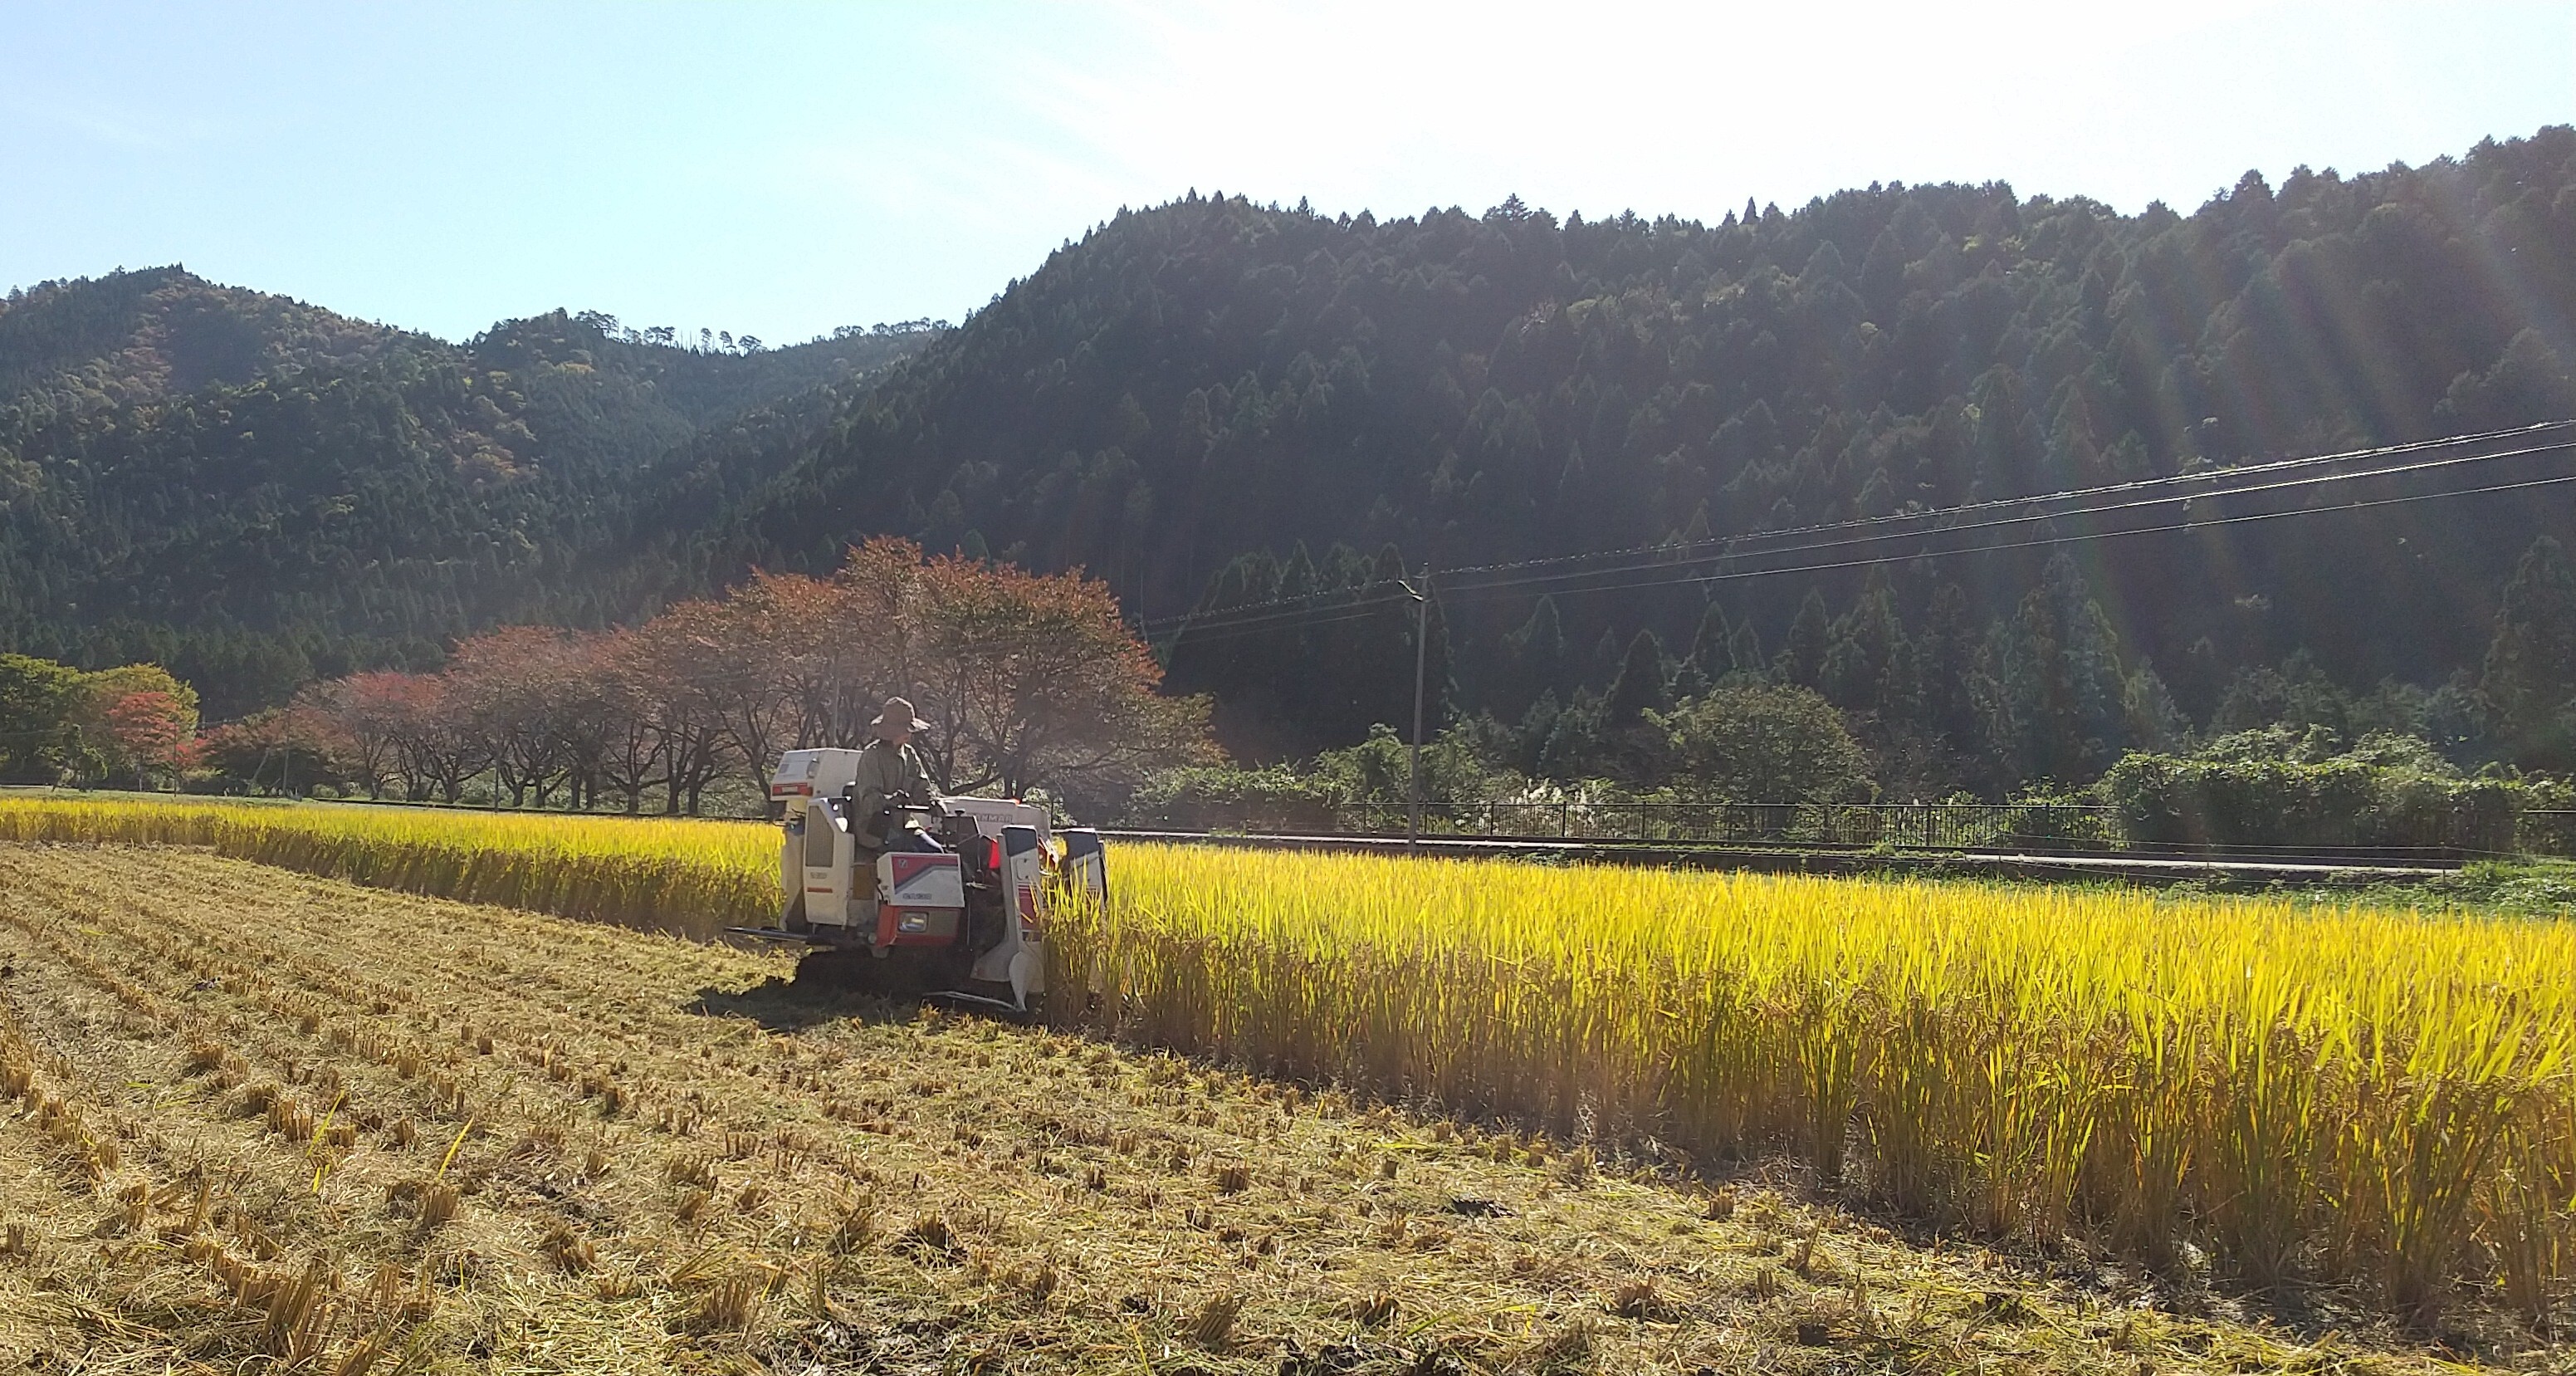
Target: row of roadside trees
point(1030, 683)
point(131, 726)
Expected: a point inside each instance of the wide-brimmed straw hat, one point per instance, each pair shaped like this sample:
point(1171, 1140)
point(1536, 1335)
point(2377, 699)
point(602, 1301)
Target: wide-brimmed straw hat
point(897, 716)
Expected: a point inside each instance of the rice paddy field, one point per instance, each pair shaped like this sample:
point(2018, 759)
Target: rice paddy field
point(340, 1089)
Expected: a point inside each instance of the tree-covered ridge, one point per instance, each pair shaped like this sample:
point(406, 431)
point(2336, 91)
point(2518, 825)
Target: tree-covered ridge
point(257, 492)
point(1210, 377)
point(139, 336)
point(1211, 403)
point(1516, 385)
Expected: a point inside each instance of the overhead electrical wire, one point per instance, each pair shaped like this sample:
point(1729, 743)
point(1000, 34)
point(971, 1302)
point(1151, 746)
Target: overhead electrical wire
point(1666, 561)
point(2000, 522)
point(1369, 602)
point(1671, 555)
point(1670, 552)
point(1665, 552)
point(2196, 523)
point(2235, 473)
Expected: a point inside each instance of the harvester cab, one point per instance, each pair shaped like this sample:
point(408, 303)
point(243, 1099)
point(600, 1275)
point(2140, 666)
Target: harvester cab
point(955, 907)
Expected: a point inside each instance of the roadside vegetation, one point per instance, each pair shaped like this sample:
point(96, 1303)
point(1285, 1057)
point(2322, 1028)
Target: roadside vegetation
point(1761, 763)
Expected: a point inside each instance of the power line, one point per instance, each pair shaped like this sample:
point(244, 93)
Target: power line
point(2229, 474)
point(1378, 604)
point(1387, 601)
point(1293, 608)
point(2114, 508)
point(2049, 540)
point(2215, 485)
point(1216, 615)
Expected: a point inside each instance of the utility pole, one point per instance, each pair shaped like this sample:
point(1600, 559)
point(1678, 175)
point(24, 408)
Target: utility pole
point(1421, 649)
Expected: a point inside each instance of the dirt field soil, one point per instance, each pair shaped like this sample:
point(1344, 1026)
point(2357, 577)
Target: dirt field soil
point(255, 1115)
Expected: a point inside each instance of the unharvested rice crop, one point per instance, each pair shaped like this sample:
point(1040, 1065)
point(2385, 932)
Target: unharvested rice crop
point(683, 876)
point(2298, 1091)
point(2366, 1095)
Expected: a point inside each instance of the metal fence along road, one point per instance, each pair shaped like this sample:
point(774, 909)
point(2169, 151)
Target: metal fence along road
point(2070, 827)
point(2020, 827)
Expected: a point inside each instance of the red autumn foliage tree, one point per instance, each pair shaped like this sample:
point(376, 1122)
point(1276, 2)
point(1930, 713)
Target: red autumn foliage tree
point(1029, 681)
point(434, 749)
point(333, 719)
point(1034, 679)
point(149, 729)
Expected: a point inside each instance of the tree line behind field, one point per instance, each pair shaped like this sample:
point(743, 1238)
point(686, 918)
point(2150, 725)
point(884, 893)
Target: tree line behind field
point(2044, 695)
point(1869, 704)
point(130, 726)
point(1032, 686)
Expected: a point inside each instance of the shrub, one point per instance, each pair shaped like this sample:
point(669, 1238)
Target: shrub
point(1760, 743)
point(1371, 777)
point(1214, 797)
point(2275, 787)
point(1380, 769)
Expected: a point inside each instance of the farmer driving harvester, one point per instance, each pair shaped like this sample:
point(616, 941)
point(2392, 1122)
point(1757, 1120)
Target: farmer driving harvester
point(899, 890)
point(890, 774)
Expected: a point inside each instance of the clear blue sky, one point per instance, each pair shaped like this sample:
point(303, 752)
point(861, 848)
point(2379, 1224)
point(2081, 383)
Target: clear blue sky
point(781, 169)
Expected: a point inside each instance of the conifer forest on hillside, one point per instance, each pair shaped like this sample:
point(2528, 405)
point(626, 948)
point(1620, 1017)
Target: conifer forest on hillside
point(1212, 405)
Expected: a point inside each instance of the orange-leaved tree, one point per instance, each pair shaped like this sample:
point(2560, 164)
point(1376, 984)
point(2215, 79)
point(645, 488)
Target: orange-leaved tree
point(136, 721)
point(149, 731)
point(1034, 681)
point(332, 719)
point(1029, 681)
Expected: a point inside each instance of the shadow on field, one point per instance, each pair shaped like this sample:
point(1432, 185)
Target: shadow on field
point(780, 1005)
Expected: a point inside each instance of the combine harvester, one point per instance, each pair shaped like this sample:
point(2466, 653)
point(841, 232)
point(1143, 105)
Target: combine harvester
point(966, 922)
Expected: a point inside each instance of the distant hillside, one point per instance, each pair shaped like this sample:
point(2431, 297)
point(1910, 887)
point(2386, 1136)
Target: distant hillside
point(1210, 403)
point(1211, 379)
point(255, 490)
point(142, 336)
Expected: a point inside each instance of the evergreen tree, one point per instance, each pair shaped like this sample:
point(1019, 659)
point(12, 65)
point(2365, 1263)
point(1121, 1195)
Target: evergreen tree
point(2531, 663)
point(1802, 657)
point(1744, 652)
point(1946, 655)
point(1708, 648)
point(35, 709)
point(1534, 661)
point(1861, 647)
point(2151, 721)
point(1573, 749)
point(1641, 683)
point(2057, 706)
point(1606, 656)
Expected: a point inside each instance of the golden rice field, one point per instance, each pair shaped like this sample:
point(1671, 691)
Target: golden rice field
point(2286, 1097)
point(254, 1121)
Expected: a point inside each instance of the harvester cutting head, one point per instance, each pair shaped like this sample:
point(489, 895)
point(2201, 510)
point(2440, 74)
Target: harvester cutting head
point(956, 905)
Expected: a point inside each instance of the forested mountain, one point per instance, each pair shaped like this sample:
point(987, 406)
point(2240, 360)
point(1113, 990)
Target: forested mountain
point(255, 491)
point(1211, 383)
point(1211, 403)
